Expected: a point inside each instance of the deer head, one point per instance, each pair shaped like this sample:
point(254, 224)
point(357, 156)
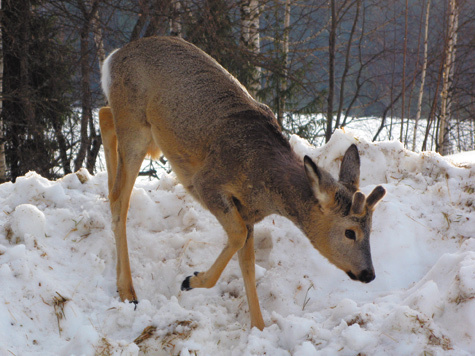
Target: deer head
point(339, 222)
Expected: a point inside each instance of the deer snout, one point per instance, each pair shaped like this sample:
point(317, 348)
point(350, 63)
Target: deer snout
point(365, 276)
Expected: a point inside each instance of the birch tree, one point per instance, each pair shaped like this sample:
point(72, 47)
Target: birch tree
point(283, 82)
point(3, 164)
point(423, 76)
point(98, 36)
point(404, 60)
point(175, 19)
point(250, 39)
point(447, 79)
point(331, 70)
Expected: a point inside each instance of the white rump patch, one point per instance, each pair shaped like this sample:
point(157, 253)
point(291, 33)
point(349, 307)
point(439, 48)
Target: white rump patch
point(106, 75)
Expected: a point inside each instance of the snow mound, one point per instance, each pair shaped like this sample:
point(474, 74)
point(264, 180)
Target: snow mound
point(57, 269)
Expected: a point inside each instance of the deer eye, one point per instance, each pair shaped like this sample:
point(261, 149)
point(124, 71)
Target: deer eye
point(350, 234)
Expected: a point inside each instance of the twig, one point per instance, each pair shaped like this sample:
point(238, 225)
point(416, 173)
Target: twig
point(306, 300)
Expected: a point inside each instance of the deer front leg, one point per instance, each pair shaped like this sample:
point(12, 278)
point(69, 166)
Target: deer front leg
point(236, 230)
point(247, 262)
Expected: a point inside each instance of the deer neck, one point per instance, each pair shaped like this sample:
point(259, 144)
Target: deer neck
point(292, 193)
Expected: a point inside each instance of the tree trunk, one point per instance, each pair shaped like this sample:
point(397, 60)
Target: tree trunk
point(34, 131)
point(89, 142)
point(415, 75)
point(423, 77)
point(388, 108)
point(96, 139)
point(347, 65)
point(98, 36)
point(385, 114)
point(175, 19)
point(447, 79)
point(86, 105)
point(63, 147)
point(331, 71)
point(285, 53)
point(404, 56)
point(3, 164)
point(25, 88)
point(358, 83)
point(250, 39)
point(141, 20)
point(433, 107)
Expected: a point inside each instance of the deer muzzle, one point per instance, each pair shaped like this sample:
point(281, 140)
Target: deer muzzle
point(365, 276)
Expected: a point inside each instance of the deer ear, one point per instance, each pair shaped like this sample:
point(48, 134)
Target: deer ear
point(350, 168)
point(357, 204)
point(323, 185)
point(376, 195)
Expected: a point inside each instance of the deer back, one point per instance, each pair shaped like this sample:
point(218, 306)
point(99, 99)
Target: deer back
point(177, 85)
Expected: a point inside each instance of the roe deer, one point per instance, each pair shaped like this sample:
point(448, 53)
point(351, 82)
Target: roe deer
point(168, 96)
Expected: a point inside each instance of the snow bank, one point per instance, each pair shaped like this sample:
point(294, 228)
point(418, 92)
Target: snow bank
point(57, 269)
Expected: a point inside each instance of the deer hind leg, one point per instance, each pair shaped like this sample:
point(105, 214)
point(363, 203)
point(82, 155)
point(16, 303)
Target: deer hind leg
point(247, 262)
point(109, 141)
point(133, 142)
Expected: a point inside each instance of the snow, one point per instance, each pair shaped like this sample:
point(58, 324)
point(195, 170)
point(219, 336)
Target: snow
point(57, 268)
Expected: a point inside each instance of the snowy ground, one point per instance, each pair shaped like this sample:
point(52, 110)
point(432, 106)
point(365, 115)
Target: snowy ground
point(57, 269)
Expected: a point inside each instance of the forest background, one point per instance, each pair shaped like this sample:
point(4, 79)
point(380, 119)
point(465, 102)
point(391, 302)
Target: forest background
point(318, 64)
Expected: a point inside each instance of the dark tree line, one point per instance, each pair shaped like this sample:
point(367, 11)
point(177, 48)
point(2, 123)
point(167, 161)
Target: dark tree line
point(317, 64)
point(37, 94)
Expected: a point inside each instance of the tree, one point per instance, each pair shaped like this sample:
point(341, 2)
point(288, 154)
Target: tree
point(90, 139)
point(448, 78)
point(250, 40)
point(318, 64)
point(175, 19)
point(286, 63)
point(331, 70)
point(423, 76)
point(347, 65)
point(404, 61)
point(3, 163)
point(37, 80)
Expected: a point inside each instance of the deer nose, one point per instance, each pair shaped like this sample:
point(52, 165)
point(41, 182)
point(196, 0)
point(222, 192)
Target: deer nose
point(367, 276)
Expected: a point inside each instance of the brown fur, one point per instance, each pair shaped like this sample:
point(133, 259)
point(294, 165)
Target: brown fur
point(227, 149)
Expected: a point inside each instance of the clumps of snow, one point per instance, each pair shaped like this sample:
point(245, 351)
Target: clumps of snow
point(28, 224)
point(57, 268)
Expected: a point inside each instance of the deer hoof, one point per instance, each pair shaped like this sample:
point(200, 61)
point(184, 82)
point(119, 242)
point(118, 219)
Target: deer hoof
point(135, 302)
point(186, 283)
